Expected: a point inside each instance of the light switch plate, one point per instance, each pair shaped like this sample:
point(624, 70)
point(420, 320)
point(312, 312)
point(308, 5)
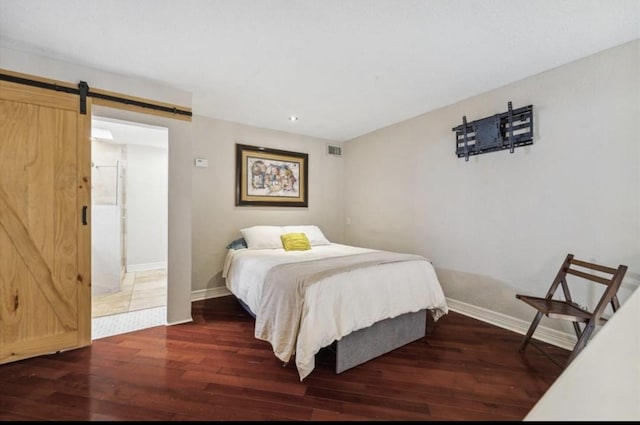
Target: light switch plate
point(202, 162)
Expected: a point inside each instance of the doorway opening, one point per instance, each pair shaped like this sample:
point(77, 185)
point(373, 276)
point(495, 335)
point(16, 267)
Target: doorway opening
point(129, 225)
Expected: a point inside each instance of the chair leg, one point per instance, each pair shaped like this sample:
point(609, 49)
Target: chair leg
point(576, 328)
point(532, 328)
point(582, 342)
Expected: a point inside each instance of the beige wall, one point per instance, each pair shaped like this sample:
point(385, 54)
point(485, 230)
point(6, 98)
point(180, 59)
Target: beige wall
point(146, 206)
point(502, 223)
point(216, 218)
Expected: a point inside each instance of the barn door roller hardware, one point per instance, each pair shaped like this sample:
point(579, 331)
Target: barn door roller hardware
point(508, 130)
point(84, 91)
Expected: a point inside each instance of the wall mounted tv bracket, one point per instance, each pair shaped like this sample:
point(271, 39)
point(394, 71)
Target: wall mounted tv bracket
point(508, 130)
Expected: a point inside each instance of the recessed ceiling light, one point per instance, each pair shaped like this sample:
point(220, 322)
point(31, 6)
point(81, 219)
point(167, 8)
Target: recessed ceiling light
point(293, 118)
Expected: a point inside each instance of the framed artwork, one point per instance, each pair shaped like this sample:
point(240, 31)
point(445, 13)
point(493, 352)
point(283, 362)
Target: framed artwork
point(271, 177)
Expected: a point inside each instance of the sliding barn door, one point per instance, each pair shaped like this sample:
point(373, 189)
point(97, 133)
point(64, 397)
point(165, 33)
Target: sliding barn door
point(45, 264)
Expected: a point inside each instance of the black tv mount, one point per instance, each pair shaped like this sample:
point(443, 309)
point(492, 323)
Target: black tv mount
point(508, 130)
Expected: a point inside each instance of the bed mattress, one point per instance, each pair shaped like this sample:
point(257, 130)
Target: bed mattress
point(335, 305)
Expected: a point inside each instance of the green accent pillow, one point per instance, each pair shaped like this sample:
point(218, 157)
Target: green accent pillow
point(295, 242)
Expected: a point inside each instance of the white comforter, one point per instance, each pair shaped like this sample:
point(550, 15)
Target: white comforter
point(342, 303)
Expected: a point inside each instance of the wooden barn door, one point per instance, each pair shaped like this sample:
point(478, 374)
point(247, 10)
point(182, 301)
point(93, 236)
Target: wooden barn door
point(45, 263)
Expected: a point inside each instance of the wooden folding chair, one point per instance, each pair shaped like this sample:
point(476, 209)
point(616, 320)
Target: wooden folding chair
point(569, 310)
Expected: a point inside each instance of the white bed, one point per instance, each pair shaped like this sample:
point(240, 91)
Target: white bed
point(336, 305)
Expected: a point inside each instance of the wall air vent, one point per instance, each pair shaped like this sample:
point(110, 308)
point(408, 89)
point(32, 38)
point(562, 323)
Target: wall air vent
point(334, 150)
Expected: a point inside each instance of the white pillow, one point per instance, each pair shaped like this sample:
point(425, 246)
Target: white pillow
point(314, 234)
point(262, 237)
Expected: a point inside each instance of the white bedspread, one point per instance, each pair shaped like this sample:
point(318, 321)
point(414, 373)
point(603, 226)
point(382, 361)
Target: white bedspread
point(342, 303)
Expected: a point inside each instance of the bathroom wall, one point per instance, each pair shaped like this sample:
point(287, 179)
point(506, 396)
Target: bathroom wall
point(146, 204)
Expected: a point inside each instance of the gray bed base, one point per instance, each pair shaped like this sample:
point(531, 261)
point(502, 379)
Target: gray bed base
point(382, 337)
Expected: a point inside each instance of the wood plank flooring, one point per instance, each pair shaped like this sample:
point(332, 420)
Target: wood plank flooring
point(214, 369)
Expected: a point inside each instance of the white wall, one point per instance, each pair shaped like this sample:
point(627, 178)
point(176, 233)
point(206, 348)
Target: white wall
point(503, 223)
point(180, 156)
point(216, 218)
point(146, 207)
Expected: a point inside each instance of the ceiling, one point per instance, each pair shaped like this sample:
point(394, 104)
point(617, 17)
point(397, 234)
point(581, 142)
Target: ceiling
point(128, 133)
point(344, 67)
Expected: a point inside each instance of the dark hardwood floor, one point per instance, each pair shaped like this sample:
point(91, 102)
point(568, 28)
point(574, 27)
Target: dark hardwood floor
point(214, 369)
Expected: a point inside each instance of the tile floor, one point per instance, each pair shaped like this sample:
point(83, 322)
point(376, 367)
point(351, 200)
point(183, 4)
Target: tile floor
point(140, 290)
point(141, 304)
point(116, 324)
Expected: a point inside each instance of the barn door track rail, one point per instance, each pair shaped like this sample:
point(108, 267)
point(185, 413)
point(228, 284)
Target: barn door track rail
point(83, 92)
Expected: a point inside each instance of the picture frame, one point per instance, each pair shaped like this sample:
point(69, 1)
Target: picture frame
point(271, 177)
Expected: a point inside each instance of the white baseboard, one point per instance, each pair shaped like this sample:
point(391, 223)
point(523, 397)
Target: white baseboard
point(548, 335)
point(180, 322)
point(146, 266)
point(203, 294)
